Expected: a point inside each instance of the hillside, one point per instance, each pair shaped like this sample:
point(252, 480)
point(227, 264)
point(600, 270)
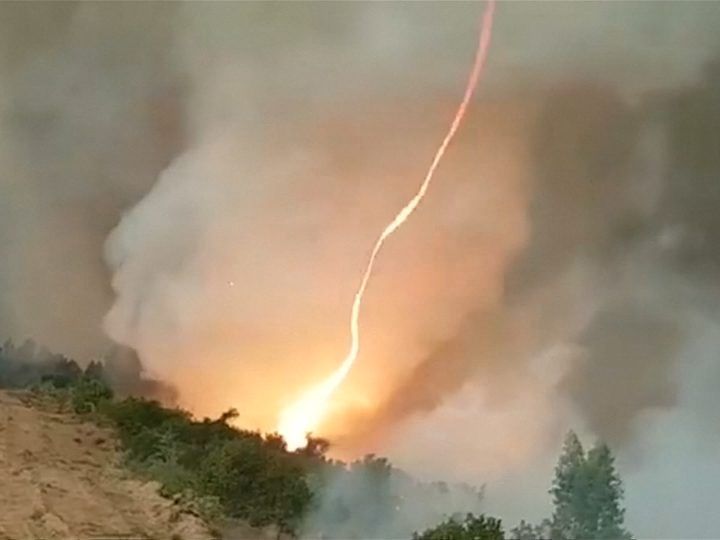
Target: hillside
point(61, 478)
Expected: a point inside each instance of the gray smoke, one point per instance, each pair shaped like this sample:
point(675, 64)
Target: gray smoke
point(562, 273)
point(371, 499)
point(87, 120)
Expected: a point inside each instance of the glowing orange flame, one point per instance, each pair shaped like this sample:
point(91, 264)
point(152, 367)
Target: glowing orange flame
point(304, 415)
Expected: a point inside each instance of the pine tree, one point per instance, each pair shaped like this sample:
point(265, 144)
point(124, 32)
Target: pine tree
point(566, 489)
point(605, 495)
point(587, 494)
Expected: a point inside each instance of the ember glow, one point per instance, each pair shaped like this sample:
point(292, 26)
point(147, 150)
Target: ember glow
point(303, 416)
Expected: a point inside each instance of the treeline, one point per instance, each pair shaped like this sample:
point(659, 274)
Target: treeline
point(27, 364)
point(221, 471)
point(587, 496)
point(216, 468)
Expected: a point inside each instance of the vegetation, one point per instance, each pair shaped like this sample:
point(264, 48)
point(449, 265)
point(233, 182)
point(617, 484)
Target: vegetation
point(221, 470)
point(527, 531)
point(587, 495)
point(248, 476)
point(218, 469)
point(27, 365)
point(88, 393)
point(470, 528)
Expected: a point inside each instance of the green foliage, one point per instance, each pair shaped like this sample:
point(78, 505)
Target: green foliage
point(255, 482)
point(569, 490)
point(244, 474)
point(87, 394)
point(215, 468)
point(587, 494)
point(605, 495)
point(145, 427)
point(527, 531)
point(207, 464)
point(471, 528)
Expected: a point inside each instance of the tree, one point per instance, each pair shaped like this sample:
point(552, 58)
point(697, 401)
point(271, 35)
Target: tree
point(253, 483)
point(315, 449)
point(95, 370)
point(568, 489)
point(587, 494)
point(528, 531)
point(605, 495)
point(88, 393)
point(471, 528)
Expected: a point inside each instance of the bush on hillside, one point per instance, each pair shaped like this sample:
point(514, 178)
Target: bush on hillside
point(471, 528)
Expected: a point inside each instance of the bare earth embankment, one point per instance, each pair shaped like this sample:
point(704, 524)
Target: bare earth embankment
point(60, 477)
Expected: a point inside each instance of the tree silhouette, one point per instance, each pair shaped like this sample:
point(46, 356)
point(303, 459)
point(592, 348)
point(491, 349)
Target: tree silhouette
point(587, 494)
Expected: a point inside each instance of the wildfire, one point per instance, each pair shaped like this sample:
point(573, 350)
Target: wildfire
point(303, 416)
point(297, 421)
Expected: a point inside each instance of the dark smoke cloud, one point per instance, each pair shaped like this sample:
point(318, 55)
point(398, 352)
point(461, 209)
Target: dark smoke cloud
point(689, 204)
point(583, 147)
point(622, 266)
point(629, 367)
point(89, 115)
point(583, 210)
point(626, 219)
point(445, 370)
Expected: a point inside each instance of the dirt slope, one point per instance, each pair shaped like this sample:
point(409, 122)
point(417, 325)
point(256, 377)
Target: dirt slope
point(60, 478)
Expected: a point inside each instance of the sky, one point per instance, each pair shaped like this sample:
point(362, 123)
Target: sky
point(202, 183)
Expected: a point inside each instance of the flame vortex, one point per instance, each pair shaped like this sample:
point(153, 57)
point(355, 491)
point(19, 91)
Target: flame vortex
point(299, 419)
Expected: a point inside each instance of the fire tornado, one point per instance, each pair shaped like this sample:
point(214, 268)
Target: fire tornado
point(299, 419)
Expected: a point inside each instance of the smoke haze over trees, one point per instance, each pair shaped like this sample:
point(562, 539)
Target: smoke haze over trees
point(224, 473)
point(29, 364)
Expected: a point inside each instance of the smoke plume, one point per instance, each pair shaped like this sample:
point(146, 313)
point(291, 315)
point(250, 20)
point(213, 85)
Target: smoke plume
point(201, 183)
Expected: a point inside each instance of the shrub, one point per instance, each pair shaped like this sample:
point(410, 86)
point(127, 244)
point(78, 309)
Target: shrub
point(88, 393)
point(471, 528)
